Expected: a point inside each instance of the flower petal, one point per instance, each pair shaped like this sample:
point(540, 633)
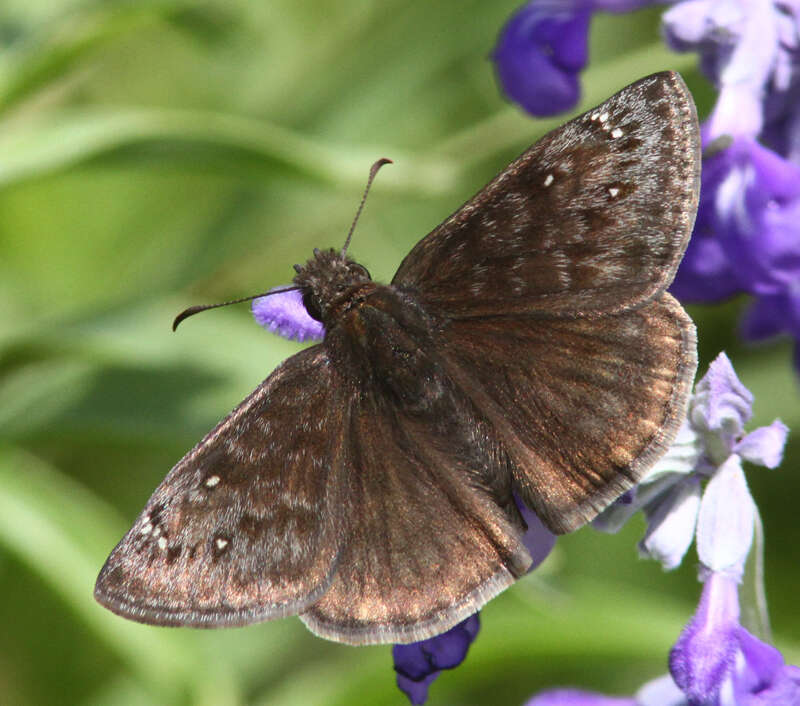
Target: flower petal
point(705, 653)
point(721, 405)
point(661, 692)
point(671, 523)
point(647, 493)
point(739, 45)
point(576, 697)
point(764, 446)
point(765, 318)
point(283, 313)
point(417, 691)
point(764, 679)
point(417, 664)
point(538, 540)
point(681, 457)
point(726, 520)
point(540, 52)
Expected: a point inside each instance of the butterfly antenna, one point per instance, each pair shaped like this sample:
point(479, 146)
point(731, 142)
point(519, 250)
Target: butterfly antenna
point(372, 172)
point(192, 310)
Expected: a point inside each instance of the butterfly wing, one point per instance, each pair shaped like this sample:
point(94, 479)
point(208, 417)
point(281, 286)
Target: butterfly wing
point(433, 533)
point(584, 406)
point(549, 284)
point(429, 527)
point(243, 528)
point(593, 219)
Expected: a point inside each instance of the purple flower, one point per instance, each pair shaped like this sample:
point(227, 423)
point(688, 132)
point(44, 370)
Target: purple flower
point(761, 676)
point(575, 697)
point(717, 662)
point(544, 47)
point(283, 313)
point(418, 664)
point(540, 53)
point(770, 316)
point(706, 273)
point(747, 49)
point(706, 650)
point(747, 237)
point(538, 540)
point(710, 447)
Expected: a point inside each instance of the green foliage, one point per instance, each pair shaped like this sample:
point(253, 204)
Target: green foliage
point(160, 153)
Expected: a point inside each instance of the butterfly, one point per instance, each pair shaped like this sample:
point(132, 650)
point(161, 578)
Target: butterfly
point(526, 346)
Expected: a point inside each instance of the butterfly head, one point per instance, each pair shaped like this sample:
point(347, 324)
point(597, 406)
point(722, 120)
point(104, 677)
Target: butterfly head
point(326, 279)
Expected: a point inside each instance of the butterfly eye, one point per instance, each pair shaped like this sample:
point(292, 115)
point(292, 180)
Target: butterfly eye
point(312, 306)
point(357, 271)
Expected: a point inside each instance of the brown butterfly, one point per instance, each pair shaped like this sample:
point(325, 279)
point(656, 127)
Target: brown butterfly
point(527, 345)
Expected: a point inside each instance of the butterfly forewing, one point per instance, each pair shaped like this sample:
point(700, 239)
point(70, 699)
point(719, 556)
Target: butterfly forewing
point(593, 219)
point(243, 528)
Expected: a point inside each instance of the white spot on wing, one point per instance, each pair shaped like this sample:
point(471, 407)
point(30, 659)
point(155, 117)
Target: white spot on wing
point(211, 481)
point(221, 543)
point(162, 542)
point(616, 132)
point(613, 191)
point(548, 180)
point(603, 117)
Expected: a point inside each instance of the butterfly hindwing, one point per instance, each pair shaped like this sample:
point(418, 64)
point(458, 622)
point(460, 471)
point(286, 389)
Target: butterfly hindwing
point(431, 530)
point(594, 218)
point(244, 527)
point(584, 406)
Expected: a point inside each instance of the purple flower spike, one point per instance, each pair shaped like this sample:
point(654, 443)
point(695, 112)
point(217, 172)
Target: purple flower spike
point(540, 53)
point(757, 209)
point(419, 663)
point(284, 314)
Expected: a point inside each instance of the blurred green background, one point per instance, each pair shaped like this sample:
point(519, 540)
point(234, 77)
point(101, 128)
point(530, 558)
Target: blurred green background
point(162, 153)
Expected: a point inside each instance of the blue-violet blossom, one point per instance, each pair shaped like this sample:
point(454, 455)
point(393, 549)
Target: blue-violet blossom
point(283, 313)
point(543, 48)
